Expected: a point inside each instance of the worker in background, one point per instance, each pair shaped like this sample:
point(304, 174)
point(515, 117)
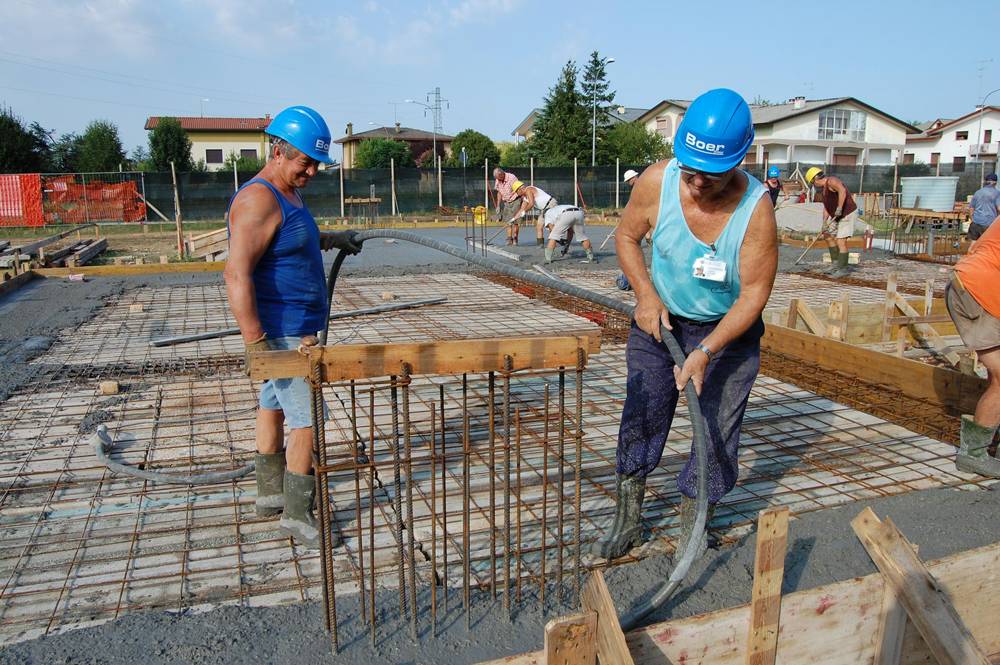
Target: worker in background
point(621, 281)
point(277, 293)
point(773, 183)
point(715, 255)
point(507, 203)
point(985, 207)
point(564, 222)
point(533, 197)
point(973, 301)
point(839, 215)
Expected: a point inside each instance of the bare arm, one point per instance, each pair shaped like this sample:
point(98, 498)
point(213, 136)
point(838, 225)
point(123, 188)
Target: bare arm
point(841, 189)
point(254, 218)
point(637, 220)
point(527, 202)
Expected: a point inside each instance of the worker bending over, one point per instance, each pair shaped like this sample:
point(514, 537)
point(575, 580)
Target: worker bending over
point(277, 293)
point(561, 221)
point(839, 215)
point(714, 259)
point(973, 299)
point(507, 203)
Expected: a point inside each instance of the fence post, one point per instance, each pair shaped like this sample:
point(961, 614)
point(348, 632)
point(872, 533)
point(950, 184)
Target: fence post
point(177, 214)
point(86, 199)
point(938, 172)
point(440, 183)
point(392, 182)
point(236, 179)
point(531, 161)
point(486, 183)
point(618, 168)
point(145, 207)
point(861, 182)
point(341, 169)
point(895, 174)
point(576, 196)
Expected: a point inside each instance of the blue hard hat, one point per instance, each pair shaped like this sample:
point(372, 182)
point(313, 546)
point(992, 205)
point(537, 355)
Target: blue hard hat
point(305, 129)
point(716, 132)
point(773, 172)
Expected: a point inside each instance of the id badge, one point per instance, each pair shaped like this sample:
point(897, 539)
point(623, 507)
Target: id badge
point(710, 268)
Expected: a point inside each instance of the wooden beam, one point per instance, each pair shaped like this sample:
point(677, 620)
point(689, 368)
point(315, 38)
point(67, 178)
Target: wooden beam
point(16, 282)
point(891, 628)
point(360, 361)
point(571, 640)
point(929, 608)
point(925, 331)
point(913, 320)
point(611, 646)
point(956, 392)
point(792, 319)
point(33, 247)
point(768, 573)
point(812, 321)
point(890, 306)
point(87, 253)
point(145, 269)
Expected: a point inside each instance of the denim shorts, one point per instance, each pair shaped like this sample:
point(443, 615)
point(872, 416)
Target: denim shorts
point(293, 397)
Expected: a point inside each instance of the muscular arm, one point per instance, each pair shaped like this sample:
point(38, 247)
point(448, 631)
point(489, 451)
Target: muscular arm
point(758, 265)
point(254, 218)
point(527, 202)
point(638, 218)
point(841, 189)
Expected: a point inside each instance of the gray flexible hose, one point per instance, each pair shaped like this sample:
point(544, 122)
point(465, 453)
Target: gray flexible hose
point(103, 444)
point(687, 557)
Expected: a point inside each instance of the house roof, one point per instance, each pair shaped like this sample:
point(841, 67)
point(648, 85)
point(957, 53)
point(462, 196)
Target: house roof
point(400, 134)
point(617, 114)
point(946, 124)
point(198, 123)
point(526, 124)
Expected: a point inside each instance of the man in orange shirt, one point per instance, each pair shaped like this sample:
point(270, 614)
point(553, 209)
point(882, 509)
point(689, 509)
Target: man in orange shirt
point(973, 299)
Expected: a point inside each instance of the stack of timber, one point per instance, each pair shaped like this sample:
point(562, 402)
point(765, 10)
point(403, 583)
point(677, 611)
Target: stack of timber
point(910, 611)
point(211, 246)
point(84, 254)
point(37, 253)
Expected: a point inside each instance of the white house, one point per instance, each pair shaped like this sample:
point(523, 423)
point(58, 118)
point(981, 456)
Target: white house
point(844, 131)
point(970, 138)
point(526, 127)
point(213, 138)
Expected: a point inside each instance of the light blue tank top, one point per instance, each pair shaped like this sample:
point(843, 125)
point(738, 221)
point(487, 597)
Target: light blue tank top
point(675, 249)
point(289, 280)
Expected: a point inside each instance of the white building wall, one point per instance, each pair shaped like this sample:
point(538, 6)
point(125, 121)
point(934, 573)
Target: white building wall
point(812, 154)
point(949, 146)
point(198, 149)
point(674, 114)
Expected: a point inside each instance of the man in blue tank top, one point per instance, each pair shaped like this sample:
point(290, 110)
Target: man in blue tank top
point(277, 293)
point(715, 255)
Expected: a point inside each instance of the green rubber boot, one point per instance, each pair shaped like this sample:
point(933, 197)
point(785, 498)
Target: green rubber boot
point(270, 472)
point(843, 270)
point(298, 520)
point(548, 255)
point(539, 241)
point(626, 532)
point(972, 454)
point(688, 511)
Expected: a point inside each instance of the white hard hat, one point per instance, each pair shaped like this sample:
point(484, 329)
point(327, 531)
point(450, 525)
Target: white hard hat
point(631, 173)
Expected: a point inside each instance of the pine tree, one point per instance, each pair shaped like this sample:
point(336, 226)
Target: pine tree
point(562, 129)
point(598, 95)
point(168, 142)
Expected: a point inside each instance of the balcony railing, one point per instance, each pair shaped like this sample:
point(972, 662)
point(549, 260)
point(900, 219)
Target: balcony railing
point(977, 149)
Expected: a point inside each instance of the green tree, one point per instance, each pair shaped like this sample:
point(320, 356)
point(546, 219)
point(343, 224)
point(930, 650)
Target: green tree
point(514, 154)
point(376, 153)
point(562, 129)
point(43, 145)
point(253, 164)
point(18, 146)
point(168, 142)
point(139, 159)
point(634, 145)
point(100, 147)
point(759, 100)
point(66, 153)
point(478, 148)
point(598, 96)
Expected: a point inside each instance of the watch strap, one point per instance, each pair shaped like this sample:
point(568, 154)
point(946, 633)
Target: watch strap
point(707, 351)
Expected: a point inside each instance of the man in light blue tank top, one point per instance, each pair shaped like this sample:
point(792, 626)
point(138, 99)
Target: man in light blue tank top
point(277, 293)
point(715, 255)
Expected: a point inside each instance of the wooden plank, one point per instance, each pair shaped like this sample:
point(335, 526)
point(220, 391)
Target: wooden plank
point(913, 320)
point(930, 610)
point(925, 331)
point(834, 624)
point(146, 269)
point(571, 640)
point(207, 238)
point(33, 247)
point(792, 319)
point(891, 628)
point(928, 214)
point(768, 573)
point(890, 306)
point(611, 646)
point(16, 282)
point(812, 321)
point(87, 253)
point(358, 361)
point(956, 392)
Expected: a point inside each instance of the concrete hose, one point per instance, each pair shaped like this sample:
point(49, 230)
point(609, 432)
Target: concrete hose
point(687, 557)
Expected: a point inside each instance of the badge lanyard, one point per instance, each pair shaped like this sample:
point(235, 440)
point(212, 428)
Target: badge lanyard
point(709, 268)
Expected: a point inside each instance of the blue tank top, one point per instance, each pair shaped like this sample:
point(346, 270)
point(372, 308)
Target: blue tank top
point(289, 280)
point(675, 249)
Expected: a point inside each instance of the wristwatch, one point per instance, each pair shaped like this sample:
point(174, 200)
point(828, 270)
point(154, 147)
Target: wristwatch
point(707, 351)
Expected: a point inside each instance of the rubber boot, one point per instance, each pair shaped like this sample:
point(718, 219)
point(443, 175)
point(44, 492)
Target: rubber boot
point(972, 454)
point(539, 241)
point(270, 472)
point(834, 256)
point(688, 513)
point(297, 520)
point(626, 531)
point(842, 268)
point(590, 257)
point(548, 255)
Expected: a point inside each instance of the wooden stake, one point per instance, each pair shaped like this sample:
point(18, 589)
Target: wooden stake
point(769, 570)
point(947, 637)
point(177, 213)
point(890, 306)
point(571, 640)
point(891, 628)
point(611, 646)
point(793, 313)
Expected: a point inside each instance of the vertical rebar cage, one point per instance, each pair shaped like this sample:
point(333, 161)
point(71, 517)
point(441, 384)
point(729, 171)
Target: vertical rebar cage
point(435, 484)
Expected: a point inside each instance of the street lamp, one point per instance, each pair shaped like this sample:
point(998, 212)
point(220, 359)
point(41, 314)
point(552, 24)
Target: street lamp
point(593, 128)
point(979, 137)
point(434, 139)
point(201, 105)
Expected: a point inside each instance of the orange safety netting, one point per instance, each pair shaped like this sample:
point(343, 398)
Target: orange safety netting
point(21, 200)
point(68, 202)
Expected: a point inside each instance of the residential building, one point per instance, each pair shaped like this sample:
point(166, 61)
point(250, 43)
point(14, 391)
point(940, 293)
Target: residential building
point(419, 141)
point(525, 128)
point(971, 138)
point(212, 139)
point(842, 130)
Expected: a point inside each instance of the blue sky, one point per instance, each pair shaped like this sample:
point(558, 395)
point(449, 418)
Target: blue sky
point(67, 63)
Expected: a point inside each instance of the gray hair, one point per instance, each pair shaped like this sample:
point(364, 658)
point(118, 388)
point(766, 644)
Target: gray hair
point(284, 147)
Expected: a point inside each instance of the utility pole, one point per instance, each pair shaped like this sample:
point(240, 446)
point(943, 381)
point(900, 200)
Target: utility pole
point(434, 104)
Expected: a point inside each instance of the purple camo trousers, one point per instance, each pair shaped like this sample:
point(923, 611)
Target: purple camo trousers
point(651, 397)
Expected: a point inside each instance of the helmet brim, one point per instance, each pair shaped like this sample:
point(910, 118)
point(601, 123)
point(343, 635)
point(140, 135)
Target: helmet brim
point(696, 161)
